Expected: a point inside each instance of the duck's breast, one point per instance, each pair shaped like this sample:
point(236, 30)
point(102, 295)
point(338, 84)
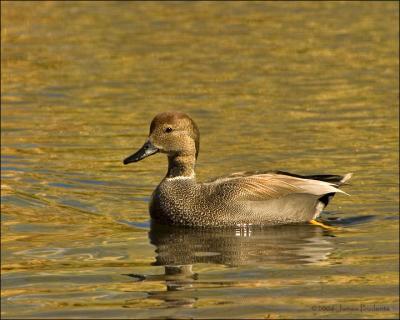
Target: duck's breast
point(174, 201)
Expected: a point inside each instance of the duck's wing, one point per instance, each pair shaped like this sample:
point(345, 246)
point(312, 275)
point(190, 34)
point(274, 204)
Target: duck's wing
point(239, 174)
point(259, 187)
point(334, 179)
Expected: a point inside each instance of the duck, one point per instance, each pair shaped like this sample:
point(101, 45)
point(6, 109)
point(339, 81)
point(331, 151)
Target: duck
point(239, 199)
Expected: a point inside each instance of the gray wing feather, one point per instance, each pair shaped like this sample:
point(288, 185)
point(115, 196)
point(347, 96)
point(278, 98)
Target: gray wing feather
point(271, 186)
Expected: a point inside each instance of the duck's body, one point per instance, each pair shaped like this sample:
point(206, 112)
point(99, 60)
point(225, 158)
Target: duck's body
point(271, 198)
point(239, 199)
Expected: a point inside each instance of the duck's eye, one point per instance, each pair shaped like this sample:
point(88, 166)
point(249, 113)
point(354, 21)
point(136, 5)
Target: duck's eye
point(168, 130)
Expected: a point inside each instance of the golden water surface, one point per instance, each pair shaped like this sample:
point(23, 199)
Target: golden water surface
point(307, 87)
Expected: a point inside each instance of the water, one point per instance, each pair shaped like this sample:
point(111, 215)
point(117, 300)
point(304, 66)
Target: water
point(302, 87)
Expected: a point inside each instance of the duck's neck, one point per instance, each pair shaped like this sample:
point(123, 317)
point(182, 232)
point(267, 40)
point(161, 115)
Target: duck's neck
point(181, 166)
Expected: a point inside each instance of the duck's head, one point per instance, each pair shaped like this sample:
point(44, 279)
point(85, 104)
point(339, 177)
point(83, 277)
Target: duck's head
point(173, 133)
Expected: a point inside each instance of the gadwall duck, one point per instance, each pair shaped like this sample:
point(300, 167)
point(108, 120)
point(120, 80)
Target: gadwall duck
point(267, 198)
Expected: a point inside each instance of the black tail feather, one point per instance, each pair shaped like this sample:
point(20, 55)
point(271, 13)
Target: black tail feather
point(326, 198)
point(331, 178)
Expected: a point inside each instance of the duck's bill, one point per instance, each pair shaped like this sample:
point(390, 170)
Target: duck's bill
point(147, 150)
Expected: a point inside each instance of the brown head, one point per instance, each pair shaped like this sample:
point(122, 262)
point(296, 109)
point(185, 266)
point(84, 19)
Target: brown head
point(173, 133)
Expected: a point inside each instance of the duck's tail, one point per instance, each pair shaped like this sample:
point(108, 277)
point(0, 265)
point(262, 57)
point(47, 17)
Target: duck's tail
point(346, 178)
point(331, 178)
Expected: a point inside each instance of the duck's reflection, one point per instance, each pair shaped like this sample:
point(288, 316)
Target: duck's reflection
point(177, 249)
point(240, 245)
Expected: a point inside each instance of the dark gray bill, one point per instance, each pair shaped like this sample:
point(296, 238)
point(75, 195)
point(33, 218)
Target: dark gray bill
point(147, 150)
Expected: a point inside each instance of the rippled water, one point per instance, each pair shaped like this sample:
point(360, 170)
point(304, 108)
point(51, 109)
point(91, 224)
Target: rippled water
point(307, 87)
